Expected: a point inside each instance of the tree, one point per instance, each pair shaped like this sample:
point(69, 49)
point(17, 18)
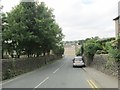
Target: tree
point(59, 49)
point(32, 29)
point(113, 50)
point(20, 27)
point(51, 32)
point(5, 34)
point(90, 48)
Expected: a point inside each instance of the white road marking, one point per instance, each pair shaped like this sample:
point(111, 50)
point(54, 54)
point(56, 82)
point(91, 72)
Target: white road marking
point(61, 66)
point(42, 82)
point(56, 70)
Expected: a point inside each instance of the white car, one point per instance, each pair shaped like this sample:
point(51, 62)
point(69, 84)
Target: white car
point(78, 61)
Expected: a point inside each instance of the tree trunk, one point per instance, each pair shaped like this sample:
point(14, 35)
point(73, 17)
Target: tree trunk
point(18, 56)
point(37, 54)
point(43, 53)
point(28, 55)
point(12, 55)
point(48, 53)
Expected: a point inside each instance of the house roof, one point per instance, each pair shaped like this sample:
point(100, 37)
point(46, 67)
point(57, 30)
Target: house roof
point(116, 18)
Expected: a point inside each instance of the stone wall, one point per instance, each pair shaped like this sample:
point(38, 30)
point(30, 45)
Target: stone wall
point(69, 50)
point(105, 64)
point(14, 67)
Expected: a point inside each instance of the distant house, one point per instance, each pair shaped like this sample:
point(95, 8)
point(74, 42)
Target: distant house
point(117, 26)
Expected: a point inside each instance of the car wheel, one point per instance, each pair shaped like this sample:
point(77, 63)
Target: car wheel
point(84, 66)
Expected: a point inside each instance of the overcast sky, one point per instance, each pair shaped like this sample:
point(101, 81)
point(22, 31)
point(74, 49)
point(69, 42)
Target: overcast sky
point(81, 19)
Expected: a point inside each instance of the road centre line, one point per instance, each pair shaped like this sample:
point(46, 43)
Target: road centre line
point(60, 66)
point(42, 82)
point(56, 70)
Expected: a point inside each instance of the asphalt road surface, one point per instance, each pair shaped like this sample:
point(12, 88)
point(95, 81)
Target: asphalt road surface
point(59, 74)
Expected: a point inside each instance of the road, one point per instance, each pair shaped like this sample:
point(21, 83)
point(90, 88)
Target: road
point(59, 74)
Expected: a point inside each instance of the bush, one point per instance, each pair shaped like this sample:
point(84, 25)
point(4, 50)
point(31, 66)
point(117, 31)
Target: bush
point(94, 46)
point(90, 48)
point(115, 53)
point(101, 52)
point(8, 74)
point(79, 52)
point(112, 50)
point(59, 50)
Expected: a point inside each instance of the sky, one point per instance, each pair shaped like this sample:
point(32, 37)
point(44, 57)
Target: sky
point(80, 19)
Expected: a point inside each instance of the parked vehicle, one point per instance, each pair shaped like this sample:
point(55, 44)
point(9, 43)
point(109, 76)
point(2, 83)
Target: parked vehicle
point(78, 61)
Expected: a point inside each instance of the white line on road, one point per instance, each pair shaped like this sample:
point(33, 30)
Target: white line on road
point(61, 66)
point(56, 70)
point(42, 82)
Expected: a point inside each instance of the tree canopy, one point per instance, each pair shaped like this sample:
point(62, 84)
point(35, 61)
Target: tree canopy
point(30, 28)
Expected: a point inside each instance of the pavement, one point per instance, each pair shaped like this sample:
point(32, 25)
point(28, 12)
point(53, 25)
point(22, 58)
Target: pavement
point(61, 74)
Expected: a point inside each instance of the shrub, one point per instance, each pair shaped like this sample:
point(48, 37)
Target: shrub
point(101, 52)
point(59, 50)
point(112, 50)
point(8, 74)
point(115, 53)
point(80, 51)
point(90, 48)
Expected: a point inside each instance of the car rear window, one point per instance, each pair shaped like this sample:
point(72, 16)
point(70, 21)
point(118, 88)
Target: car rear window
point(78, 59)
